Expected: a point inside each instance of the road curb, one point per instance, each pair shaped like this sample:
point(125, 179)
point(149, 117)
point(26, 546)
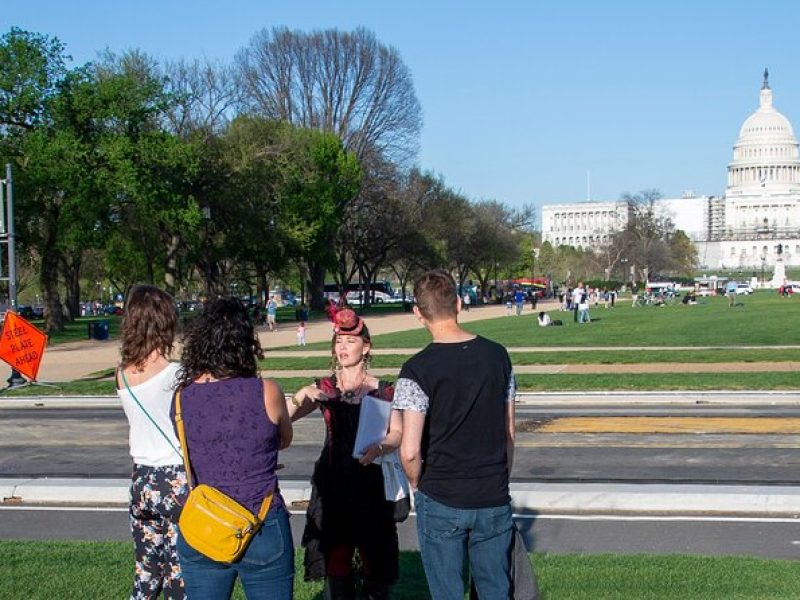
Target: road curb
point(563, 498)
point(709, 397)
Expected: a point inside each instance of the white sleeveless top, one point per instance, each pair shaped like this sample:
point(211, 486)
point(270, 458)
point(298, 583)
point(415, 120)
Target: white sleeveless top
point(147, 446)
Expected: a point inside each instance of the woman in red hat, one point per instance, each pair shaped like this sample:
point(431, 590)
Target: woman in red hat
point(348, 510)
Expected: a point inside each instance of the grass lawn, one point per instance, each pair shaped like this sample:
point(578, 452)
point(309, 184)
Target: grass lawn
point(761, 319)
point(777, 380)
point(100, 570)
point(605, 357)
point(77, 330)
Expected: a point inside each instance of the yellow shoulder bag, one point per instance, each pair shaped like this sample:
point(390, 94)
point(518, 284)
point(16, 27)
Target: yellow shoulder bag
point(211, 522)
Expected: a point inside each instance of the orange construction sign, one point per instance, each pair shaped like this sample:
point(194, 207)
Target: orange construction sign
point(22, 345)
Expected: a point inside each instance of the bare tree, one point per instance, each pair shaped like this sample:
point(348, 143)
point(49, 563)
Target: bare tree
point(346, 83)
point(205, 96)
point(496, 239)
point(645, 236)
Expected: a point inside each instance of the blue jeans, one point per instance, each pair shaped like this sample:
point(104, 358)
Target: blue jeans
point(446, 534)
point(266, 568)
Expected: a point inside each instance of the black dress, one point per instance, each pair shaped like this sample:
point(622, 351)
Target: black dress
point(348, 506)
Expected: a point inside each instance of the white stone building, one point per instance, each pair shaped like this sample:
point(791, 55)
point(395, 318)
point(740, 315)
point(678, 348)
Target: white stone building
point(758, 217)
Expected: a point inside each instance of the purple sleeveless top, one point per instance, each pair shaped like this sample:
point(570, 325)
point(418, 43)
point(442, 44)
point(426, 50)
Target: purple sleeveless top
point(233, 444)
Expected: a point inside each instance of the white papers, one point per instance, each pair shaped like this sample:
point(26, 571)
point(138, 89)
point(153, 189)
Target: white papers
point(395, 484)
point(373, 423)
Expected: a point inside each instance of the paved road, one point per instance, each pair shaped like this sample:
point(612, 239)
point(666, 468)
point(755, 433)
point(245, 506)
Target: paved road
point(769, 538)
point(92, 442)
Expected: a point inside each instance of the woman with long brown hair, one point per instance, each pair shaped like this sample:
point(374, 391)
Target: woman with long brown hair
point(145, 384)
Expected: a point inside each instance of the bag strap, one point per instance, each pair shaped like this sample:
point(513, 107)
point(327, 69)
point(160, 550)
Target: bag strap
point(265, 504)
point(262, 514)
point(121, 372)
point(182, 438)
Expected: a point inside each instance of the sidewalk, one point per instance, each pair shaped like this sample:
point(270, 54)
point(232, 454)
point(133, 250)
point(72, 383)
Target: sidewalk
point(544, 498)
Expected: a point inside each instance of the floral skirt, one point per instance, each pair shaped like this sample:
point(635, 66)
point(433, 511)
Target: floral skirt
point(157, 496)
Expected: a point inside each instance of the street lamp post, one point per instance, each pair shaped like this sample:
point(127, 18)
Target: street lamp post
point(763, 268)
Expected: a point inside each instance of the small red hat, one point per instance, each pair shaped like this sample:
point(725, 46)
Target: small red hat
point(347, 323)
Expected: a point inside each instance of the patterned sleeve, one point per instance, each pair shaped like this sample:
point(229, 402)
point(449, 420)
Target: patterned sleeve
point(511, 394)
point(409, 396)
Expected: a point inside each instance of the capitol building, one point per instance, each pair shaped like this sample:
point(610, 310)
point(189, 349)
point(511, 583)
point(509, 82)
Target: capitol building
point(755, 222)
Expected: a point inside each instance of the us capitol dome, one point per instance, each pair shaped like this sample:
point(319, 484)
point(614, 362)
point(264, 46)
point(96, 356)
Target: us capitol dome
point(761, 207)
point(753, 225)
point(766, 152)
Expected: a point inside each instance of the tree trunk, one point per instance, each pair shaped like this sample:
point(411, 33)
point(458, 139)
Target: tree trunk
point(484, 283)
point(316, 285)
point(72, 278)
point(151, 270)
point(262, 285)
point(48, 280)
point(171, 270)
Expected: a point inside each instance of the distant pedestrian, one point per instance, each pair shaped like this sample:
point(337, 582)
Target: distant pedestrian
point(583, 310)
point(519, 301)
point(731, 290)
point(466, 301)
point(509, 303)
point(301, 334)
point(577, 294)
point(272, 314)
point(145, 382)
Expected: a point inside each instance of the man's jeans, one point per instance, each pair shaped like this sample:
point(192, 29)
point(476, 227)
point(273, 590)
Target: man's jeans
point(266, 568)
point(446, 533)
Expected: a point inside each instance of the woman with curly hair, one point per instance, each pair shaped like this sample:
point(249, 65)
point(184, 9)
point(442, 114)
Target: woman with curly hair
point(145, 382)
point(348, 510)
point(235, 423)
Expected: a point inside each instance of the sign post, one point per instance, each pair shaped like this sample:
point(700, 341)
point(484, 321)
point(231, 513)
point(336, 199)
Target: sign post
point(8, 238)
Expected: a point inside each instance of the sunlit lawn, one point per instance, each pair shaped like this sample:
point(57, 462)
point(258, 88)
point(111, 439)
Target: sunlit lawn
point(761, 319)
point(103, 570)
point(593, 357)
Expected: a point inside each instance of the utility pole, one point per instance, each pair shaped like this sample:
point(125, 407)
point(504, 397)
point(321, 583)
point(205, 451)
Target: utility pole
point(7, 236)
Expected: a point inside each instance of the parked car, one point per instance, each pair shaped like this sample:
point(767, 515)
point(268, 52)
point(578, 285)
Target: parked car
point(744, 288)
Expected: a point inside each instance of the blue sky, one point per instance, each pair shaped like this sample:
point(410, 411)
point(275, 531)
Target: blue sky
point(520, 99)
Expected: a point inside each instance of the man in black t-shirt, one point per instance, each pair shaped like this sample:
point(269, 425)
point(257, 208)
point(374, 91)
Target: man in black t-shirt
point(457, 401)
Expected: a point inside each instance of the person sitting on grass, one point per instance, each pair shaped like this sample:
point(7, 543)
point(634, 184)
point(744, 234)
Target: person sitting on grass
point(545, 321)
